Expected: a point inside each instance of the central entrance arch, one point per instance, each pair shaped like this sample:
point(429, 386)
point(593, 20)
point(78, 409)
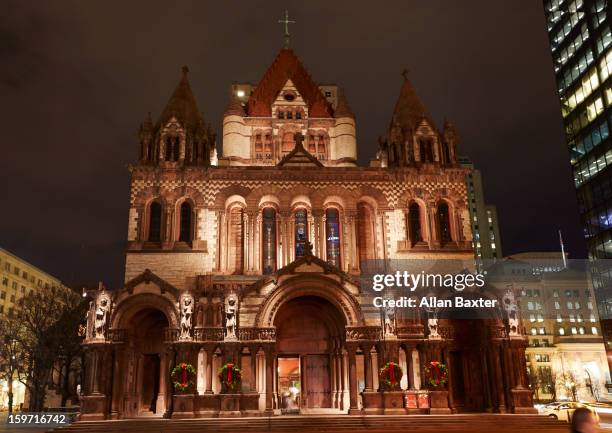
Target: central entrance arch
point(309, 334)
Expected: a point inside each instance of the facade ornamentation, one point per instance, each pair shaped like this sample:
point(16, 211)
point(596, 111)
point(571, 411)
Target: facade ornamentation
point(186, 317)
point(512, 313)
point(231, 319)
point(254, 257)
point(102, 308)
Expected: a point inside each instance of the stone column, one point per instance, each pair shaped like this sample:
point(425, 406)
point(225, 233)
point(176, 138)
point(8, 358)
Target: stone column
point(117, 382)
point(352, 361)
point(253, 351)
point(270, 355)
point(209, 376)
point(367, 367)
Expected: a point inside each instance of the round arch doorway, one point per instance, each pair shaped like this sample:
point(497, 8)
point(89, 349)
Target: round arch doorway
point(309, 338)
point(147, 364)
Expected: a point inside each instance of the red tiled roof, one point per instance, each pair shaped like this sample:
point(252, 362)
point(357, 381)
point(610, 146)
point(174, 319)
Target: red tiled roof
point(287, 66)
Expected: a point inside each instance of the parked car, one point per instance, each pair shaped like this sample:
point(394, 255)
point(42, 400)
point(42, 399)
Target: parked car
point(563, 410)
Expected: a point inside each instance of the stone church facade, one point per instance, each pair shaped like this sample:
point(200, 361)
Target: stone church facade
point(254, 258)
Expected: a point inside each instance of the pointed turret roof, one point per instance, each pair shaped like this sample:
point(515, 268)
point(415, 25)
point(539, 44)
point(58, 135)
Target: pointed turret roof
point(342, 108)
point(234, 107)
point(409, 109)
point(287, 66)
point(182, 105)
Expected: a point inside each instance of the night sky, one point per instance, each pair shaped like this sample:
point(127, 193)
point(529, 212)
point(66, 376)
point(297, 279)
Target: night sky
point(77, 78)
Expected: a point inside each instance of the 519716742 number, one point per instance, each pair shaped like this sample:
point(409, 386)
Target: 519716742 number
point(38, 419)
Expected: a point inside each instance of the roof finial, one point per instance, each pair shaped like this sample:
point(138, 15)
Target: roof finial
point(405, 73)
point(185, 71)
point(286, 23)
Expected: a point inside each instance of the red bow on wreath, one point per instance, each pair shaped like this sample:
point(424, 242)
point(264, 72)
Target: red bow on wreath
point(392, 373)
point(436, 373)
point(230, 367)
point(184, 375)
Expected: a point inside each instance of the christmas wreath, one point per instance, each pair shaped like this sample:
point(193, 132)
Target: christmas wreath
point(390, 375)
point(230, 377)
point(436, 374)
point(183, 376)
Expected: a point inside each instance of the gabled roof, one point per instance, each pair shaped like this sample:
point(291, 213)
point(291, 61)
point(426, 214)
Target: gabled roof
point(287, 66)
point(149, 277)
point(299, 157)
point(409, 109)
point(307, 259)
point(182, 105)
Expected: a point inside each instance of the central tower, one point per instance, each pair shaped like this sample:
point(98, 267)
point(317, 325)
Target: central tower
point(260, 121)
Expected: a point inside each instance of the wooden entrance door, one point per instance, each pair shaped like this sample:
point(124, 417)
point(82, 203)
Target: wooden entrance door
point(316, 381)
point(150, 382)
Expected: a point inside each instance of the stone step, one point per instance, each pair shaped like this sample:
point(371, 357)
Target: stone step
point(462, 423)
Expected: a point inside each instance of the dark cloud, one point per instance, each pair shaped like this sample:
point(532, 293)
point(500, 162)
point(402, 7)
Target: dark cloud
point(78, 78)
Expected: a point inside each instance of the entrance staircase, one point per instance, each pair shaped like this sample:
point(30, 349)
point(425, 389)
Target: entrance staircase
point(464, 423)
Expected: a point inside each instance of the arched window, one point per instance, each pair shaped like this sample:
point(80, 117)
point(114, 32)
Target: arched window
point(444, 224)
point(268, 145)
point(288, 142)
point(365, 229)
point(268, 240)
point(172, 148)
point(258, 143)
point(426, 149)
point(447, 153)
point(185, 226)
point(414, 223)
point(312, 146)
point(236, 240)
point(155, 214)
point(301, 232)
point(332, 236)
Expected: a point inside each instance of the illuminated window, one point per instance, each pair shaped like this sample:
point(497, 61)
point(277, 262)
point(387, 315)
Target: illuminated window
point(301, 232)
point(534, 331)
point(574, 330)
point(561, 331)
point(268, 240)
point(594, 330)
point(332, 233)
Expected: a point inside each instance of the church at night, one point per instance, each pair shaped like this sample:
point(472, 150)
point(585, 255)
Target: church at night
point(245, 253)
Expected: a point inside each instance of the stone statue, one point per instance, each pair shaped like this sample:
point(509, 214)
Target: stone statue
point(231, 306)
point(389, 321)
point(102, 308)
point(509, 304)
point(432, 326)
point(186, 317)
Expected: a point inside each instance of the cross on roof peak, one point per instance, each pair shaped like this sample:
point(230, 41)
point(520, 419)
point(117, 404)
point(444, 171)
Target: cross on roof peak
point(286, 21)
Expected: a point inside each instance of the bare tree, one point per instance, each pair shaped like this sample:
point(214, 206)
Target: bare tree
point(47, 321)
point(11, 353)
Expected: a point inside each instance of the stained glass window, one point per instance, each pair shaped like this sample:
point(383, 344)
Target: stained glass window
point(332, 234)
point(301, 232)
point(414, 217)
point(444, 222)
point(185, 225)
point(269, 240)
point(155, 222)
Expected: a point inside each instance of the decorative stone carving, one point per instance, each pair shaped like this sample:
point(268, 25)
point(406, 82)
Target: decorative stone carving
point(389, 322)
point(231, 321)
point(432, 327)
point(509, 304)
point(103, 304)
point(186, 305)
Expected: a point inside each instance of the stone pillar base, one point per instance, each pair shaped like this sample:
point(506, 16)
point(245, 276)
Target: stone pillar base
point(229, 406)
point(522, 399)
point(438, 402)
point(393, 402)
point(372, 402)
point(93, 407)
point(184, 406)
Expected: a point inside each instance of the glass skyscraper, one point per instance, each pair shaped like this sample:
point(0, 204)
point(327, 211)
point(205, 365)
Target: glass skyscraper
point(581, 45)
